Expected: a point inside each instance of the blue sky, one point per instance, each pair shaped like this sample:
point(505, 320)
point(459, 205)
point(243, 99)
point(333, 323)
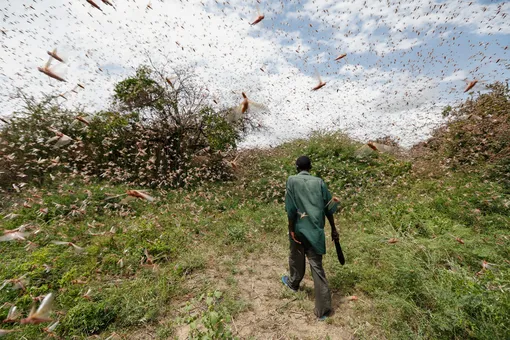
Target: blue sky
point(404, 62)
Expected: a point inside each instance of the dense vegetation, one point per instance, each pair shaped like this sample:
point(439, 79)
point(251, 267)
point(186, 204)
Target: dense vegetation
point(159, 132)
point(426, 237)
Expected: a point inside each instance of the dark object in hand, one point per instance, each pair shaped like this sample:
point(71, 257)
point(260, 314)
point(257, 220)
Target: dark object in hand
point(339, 253)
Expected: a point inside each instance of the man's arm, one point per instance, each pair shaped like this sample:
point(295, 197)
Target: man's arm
point(291, 209)
point(292, 228)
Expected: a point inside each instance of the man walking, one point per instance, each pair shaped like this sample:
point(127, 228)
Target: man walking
point(308, 202)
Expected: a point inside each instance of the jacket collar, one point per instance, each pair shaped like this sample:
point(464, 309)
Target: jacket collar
point(306, 173)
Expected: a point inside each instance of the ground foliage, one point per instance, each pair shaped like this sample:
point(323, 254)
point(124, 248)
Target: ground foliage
point(477, 135)
point(427, 253)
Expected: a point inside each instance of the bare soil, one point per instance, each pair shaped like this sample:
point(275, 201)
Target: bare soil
point(274, 312)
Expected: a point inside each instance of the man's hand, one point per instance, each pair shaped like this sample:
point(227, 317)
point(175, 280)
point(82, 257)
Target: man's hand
point(293, 235)
point(292, 226)
point(334, 235)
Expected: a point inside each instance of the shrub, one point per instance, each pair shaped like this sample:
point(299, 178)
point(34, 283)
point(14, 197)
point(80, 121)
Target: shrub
point(88, 318)
point(476, 138)
point(157, 134)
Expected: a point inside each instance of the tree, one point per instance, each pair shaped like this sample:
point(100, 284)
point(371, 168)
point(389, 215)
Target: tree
point(160, 131)
point(177, 125)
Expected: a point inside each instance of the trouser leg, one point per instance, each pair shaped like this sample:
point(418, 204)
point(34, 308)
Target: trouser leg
point(322, 293)
point(296, 264)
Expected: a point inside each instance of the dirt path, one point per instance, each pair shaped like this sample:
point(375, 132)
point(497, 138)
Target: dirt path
point(278, 313)
point(275, 312)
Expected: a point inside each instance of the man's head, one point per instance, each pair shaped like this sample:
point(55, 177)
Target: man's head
point(303, 163)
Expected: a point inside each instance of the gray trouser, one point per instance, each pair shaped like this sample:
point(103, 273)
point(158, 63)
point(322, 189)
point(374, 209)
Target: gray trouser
point(297, 271)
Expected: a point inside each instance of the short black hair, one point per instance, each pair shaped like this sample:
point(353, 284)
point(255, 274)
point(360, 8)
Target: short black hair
point(303, 163)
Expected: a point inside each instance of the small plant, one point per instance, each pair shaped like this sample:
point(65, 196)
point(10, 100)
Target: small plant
point(207, 318)
point(88, 318)
point(236, 234)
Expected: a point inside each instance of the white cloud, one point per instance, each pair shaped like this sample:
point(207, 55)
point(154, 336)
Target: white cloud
point(455, 76)
point(369, 99)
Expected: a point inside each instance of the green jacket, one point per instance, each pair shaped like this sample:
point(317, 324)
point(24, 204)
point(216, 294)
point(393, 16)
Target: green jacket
point(308, 201)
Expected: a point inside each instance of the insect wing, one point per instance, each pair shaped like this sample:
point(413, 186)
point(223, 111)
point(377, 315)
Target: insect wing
point(59, 70)
point(258, 105)
point(13, 314)
point(48, 63)
point(61, 243)
point(44, 309)
point(52, 327)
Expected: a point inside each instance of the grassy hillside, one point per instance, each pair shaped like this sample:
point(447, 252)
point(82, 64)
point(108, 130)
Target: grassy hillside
point(425, 233)
point(188, 263)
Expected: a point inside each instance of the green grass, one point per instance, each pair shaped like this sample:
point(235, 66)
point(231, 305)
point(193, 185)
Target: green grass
point(426, 285)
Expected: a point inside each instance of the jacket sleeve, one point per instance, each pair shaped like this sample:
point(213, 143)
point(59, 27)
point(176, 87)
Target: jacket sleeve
point(290, 205)
point(330, 206)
